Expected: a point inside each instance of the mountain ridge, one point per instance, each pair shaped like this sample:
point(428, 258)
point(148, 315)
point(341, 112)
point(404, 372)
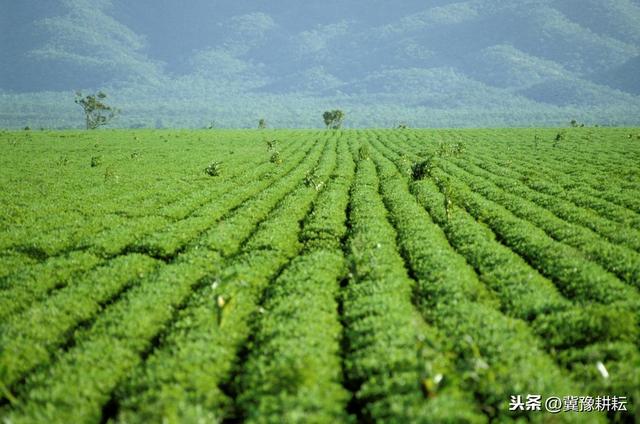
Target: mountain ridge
point(437, 54)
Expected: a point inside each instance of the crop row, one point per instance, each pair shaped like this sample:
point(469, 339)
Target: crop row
point(607, 217)
point(568, 188)
point(579, 331)
point(11, 262)
point(576, 276)
point(184, 378)
point(170, 240)
point(582, 178)
point(293, 370)
point(56, 272)
point(93, 366)
point(617, 259)
point(472, 238)
point(143, 233)
point(145, 163)
point(54, 230)
point(496, 355)
point(395, 363)
point(33, 283)
point(28, 339)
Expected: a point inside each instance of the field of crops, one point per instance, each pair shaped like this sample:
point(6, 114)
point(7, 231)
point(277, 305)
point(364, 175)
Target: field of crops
point(319, 276)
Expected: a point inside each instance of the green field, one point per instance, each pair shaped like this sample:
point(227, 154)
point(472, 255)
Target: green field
point(317, 276)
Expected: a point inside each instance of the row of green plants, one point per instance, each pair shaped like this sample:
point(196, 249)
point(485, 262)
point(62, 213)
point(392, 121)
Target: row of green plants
point(594, 175)
point(605, 162)
point(32, 285)
point(224, 236)
point(91, 209)
point(80, 380)
point(495, 355)
point(608, 188)
point(30, 410)
point(587, 333)
point(211, 331)
point(293, 370)
point(187, 271)
point(615, 258)
point(585, 187)
point(175, 237)
point(53, 231)
point(395, 363)
point(136, 231)
point(11, 262)
point(31, 338)
point(576, 275)
point(617, 224)
point(231, 170)
point(34, 282)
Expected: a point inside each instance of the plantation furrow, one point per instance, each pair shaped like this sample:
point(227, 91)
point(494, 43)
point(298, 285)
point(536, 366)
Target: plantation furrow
point(78, 383)
point(522, 291)
point(394, 362)
point(577, 153)
point(138, 231)
point(217, 323)
point(570, 190)
point(222, 237)
point(293, 368)
point(232, 177)
point(527, 295)
point(60, 233)
point(617, 259)
point(149, 194)
point(580, 186)
point(168, 240)
point(489, 346)
point(393, 275)
point(544, 164)
point(156, 299)
point(28, 339)
point(27, 286)
point(53, 239)
point(133, 231)
point(171, 240)
point(574, 274)
point(11, 262)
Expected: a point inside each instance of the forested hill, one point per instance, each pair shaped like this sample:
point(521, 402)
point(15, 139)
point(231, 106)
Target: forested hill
point(457, 62)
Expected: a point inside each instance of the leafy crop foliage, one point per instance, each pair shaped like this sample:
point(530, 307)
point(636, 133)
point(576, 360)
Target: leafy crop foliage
point(372, 276)
point(213, 169)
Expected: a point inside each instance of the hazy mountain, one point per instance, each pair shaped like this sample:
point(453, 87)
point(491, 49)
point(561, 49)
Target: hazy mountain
point(531, 59)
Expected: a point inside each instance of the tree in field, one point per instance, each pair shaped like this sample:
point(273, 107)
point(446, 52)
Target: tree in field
point(96, 112)
point(575, 124)
point(333, 118)
point(262, 124)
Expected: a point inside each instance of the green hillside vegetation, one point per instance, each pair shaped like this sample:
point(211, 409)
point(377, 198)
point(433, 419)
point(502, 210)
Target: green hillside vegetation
point(430, 63)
